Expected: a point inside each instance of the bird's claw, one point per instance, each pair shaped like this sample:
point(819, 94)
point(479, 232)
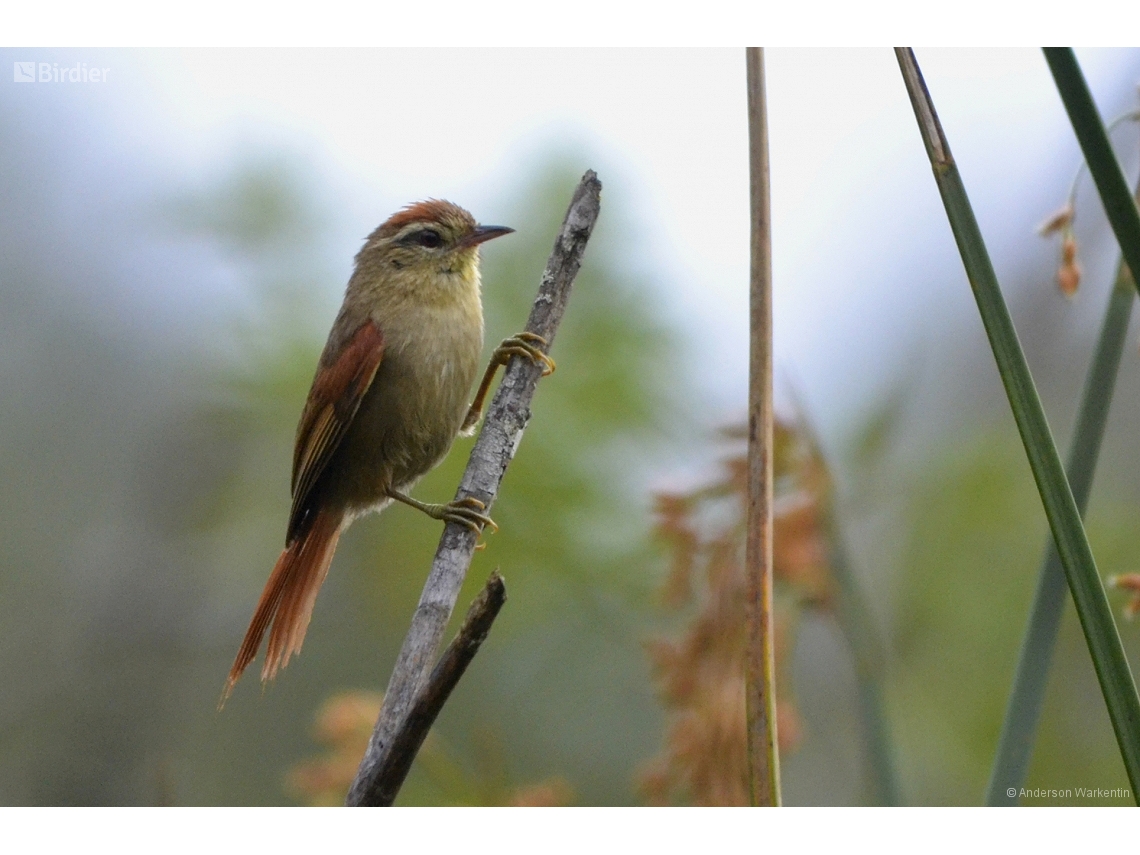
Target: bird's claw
point(525, 344)
point(466, 512)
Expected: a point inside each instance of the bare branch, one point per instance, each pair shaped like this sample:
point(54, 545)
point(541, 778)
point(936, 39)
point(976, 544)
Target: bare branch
point(406, 742)
point(498, 440)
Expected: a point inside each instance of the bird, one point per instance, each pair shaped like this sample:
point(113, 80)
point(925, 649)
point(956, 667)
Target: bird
point(388, 399)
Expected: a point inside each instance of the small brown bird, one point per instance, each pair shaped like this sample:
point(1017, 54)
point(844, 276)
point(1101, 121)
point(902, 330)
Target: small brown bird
point(388, 399)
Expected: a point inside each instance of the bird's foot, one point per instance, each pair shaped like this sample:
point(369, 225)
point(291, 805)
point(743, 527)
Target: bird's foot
point(525, 344)
point(464, 512)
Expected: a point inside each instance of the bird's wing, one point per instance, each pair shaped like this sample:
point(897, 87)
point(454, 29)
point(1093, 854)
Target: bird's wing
point(333, 401)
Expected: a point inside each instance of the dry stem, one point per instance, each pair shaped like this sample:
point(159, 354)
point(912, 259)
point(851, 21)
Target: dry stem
point(760, 664)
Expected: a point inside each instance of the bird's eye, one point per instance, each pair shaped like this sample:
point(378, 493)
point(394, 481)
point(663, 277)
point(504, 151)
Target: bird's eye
point(428, 238)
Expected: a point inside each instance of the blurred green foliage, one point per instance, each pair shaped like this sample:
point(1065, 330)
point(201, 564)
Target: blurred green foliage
point(976, 537)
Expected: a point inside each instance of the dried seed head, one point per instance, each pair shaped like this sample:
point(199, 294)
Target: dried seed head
point(1069, 273)
point(700, 674)
point(799, 549)
point(1061, 219)
point(1069, 249)
point(1069, 279)
point(1128, 582)
point(343, 723)
point(553, 792)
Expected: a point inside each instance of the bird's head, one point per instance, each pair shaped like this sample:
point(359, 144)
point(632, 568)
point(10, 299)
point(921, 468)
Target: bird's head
point(428, 239)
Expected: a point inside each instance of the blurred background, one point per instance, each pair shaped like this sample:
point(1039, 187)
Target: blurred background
point(175, 243)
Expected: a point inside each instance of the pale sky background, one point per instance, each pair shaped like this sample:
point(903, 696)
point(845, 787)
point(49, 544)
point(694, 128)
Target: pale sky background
point(854, 205)
point(863, 256)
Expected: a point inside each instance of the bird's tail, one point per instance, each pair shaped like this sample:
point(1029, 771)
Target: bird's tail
point(287, 600)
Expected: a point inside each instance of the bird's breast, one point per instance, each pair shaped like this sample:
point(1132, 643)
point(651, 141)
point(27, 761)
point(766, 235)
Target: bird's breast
point(414, 408)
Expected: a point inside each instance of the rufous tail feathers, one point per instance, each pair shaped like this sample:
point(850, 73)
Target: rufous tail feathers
point(287, 600)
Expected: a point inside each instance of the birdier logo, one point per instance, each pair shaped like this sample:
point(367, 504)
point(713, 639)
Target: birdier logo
point(51, 72)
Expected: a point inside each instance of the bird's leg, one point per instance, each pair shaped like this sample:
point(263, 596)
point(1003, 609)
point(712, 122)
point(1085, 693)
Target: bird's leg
point(524, 344)
point(465, 512)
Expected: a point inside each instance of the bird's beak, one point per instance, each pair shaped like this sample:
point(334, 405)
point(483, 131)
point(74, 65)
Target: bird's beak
point(482, 234)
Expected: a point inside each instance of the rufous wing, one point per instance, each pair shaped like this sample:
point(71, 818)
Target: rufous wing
point(337, 391)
